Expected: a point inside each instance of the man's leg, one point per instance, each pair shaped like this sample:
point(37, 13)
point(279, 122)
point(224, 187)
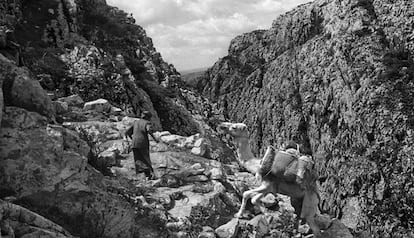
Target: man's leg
point(136, 153)
point(147, 161)
point(141, 164)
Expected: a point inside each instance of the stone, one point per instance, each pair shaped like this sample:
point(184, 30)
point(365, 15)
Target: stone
point(20, 90)
point(196, 178)
point(61, 107)
point(228, 230)
point(121, 145)
point(158, 147)
point(216, 173)
point(172, 139)
point(47, 139)
point(163, 133)
point(198, 151)
point(218, 187)
point(99, 105)
point(73, 100)
point(201, 148)
point(195, 166)
point(199, 142)
point(207, 229)
point(115, 111)
point(102, 133)
point(304, 229)
point(194, 172)
point(207, 234)
point(189, 141)
point(337, 230)
point(260, 224)
point(175, 226)
point(27, 223)
point(109, 157)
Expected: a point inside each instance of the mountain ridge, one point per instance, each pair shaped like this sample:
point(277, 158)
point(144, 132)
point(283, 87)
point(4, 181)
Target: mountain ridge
point(329, 75)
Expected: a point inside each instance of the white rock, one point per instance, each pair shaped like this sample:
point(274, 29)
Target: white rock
point(200, 151)
point(196, 166)
point(115, 111)
point(163, 133)
point(172, 139)
point(99, 105)
point(200, 142)
point(109, 157)
point(216, 173)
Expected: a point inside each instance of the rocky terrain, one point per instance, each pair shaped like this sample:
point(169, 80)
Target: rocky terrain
point(338, 76)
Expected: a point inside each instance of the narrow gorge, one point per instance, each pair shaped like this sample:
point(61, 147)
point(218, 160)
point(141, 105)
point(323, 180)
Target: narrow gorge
point(335, 75)
point(338, 76)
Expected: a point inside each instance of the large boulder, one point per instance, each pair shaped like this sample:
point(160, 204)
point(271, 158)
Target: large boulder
point(45, 168)
point(22, 91)
point(61, 107)
point(21, 222)
point(228, 230)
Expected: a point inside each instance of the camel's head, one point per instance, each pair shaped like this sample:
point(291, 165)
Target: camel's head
point(234, 129)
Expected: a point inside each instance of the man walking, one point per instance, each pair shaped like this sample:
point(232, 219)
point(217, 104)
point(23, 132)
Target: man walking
point(140, 144)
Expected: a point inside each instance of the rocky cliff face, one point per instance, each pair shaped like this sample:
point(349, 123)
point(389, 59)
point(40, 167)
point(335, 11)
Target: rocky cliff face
point(337, 76)
point(70, 47)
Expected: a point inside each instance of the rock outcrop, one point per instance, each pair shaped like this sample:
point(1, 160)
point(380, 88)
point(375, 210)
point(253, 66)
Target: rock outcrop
point(71, 47)
point(19, 89)
point(16, 221)
point(337, 76)
point(45, 168)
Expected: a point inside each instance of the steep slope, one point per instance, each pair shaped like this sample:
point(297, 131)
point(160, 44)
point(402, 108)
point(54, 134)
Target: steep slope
point(52, 49)
point(338, 76)
point(70, 47)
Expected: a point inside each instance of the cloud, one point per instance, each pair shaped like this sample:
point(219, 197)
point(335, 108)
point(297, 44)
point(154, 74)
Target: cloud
point(195, 33)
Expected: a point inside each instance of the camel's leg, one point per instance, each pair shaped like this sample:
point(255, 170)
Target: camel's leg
point(297, 205)
point(248, 194)
point(314, 227)
point(256, 200)
point(310, 210)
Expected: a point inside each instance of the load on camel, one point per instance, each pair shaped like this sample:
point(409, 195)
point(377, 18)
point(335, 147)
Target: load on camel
point(275, 177)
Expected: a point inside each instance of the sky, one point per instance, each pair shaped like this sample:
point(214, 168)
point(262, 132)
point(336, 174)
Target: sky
point(193, 34)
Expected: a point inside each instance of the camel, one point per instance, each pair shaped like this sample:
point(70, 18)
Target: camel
point(304, 199)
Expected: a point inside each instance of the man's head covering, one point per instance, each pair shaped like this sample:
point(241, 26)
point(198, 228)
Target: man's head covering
point(146, 115)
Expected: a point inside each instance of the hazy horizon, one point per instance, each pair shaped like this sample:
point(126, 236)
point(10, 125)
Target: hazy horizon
point(193, 34)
